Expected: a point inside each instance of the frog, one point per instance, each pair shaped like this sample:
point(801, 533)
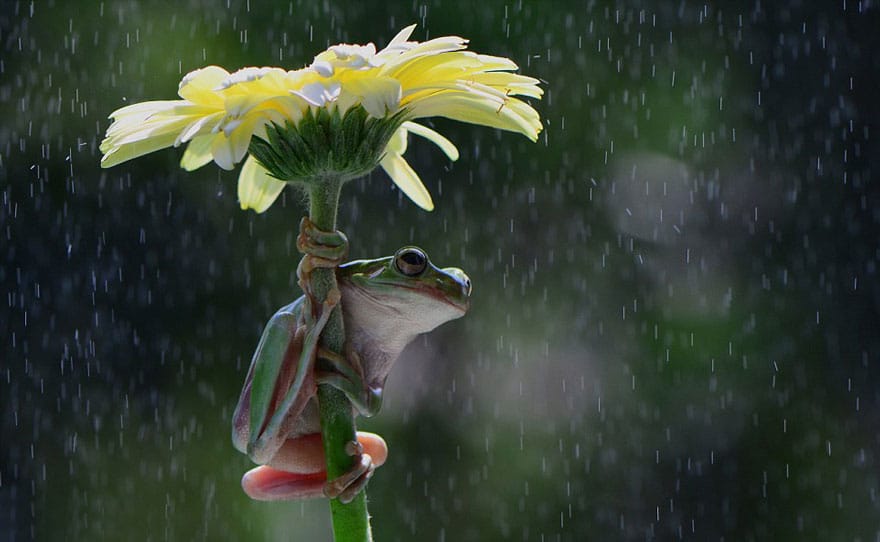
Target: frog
point(386, 303)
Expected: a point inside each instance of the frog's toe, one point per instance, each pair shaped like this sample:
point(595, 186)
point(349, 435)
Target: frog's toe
point(353, 481)
point(374, 446)
point(349, 484)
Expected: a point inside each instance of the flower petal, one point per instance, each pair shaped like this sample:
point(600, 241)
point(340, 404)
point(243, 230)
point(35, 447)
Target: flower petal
point(118, 154)
point(201, 126)
point(379, 95)
point(318, 94)
point(223, 151)
point(436, 46)
point(200, 86)
point(229, 150)
point(198, 152)
point(257, 189)
point(398, 141)
point(511, 114)
point(401, 36)
point(436, 138)
point(511, 83)
point(407, 180)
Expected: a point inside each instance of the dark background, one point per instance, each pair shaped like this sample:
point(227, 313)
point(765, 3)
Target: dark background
point(674, 332)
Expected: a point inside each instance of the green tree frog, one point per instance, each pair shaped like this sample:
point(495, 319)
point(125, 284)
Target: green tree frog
point(386, 303)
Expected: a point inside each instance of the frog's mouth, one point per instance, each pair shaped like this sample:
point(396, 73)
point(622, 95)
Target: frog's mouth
point(456, 294)
point(460, 301)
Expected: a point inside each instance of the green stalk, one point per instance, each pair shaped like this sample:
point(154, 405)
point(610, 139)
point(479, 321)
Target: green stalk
point(350, 521)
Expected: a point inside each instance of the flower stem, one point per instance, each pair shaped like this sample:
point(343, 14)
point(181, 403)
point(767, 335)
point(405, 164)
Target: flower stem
point(350, 521)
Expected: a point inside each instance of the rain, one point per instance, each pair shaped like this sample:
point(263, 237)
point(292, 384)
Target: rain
point(673, 332)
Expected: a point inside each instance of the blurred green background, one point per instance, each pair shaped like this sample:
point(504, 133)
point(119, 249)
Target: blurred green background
point(674, 332)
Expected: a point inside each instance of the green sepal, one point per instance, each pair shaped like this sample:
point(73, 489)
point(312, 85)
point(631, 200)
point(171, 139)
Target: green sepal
point(325, 143)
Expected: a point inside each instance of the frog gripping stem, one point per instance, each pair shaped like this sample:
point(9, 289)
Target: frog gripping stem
point(347, 486)
point(323, 249)
point(320, 250)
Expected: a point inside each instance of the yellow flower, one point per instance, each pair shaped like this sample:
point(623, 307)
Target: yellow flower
point(287, 118)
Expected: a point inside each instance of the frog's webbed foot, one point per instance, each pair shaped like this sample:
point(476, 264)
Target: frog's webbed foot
point(346, 373)
point(320, 249)
point(349, 484)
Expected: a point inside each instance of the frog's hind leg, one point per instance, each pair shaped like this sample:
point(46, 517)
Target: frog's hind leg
point(321, 250)
point(346, 374)
point(298, 469)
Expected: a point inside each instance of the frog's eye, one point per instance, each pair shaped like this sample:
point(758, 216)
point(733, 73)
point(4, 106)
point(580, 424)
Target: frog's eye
point(411, 261)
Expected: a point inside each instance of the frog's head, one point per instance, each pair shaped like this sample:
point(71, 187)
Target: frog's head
point(391, 300)
point(406, 287)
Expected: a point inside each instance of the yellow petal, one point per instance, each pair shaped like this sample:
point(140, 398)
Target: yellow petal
point(198, 152)
point(379, 95)
point(397, 143)
point(223, 151)
point(118, 154)
point(445, 145)
point(150, 129)
point(257, 189)
point(514, 115)
point(449, 66)
point(228, 151)
point(253, 79)
point(402, 36)
point(146, 109)
point(241, 136)
point(240, 104)
point(135, 135)
point(201, 126)
point(436, 46)
point(201, 86)
point(407, 180)
point(135, 125)
point(511, 83)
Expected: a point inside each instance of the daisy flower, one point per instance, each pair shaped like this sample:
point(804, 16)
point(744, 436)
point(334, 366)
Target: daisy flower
point(349, 111)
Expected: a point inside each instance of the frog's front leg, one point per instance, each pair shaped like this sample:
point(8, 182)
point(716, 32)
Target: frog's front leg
point(346, 373)
point(298, 471)
point(321, 250)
